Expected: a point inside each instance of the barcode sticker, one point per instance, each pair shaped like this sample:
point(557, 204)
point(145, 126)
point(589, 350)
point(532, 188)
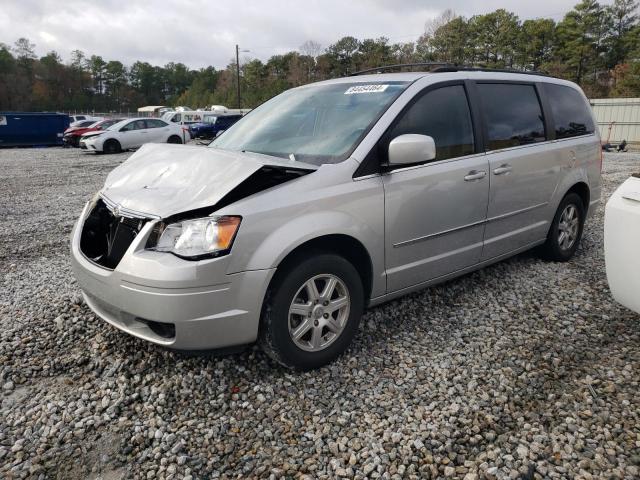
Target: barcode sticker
point(366, 89)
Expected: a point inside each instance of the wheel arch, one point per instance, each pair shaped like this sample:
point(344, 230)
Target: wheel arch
point(106, 141)
point(583, 191)
point(344, 245)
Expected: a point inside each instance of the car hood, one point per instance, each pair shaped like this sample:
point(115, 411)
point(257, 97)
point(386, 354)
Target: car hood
point(161, 180)
point(78, 131)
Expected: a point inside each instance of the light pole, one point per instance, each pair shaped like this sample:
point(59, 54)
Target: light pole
point(238, 72)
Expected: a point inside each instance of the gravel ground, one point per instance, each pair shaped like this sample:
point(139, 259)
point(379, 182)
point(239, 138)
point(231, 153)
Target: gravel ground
point(526, 369)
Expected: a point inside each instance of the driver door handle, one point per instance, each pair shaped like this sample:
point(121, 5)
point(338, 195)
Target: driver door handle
point(475, 175)
point(503, 169)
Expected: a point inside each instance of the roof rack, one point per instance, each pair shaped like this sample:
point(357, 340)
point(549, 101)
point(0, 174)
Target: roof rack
point(443, 67)
point(404, 65)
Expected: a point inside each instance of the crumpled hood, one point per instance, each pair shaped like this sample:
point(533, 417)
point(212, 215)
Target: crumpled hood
point(164, 179)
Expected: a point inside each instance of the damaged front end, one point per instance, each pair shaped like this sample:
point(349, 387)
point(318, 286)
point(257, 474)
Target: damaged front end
point(176, 195)
point(107, 233)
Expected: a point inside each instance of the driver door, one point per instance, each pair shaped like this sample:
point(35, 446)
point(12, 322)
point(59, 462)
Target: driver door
point(435, 212)
point(131, 135)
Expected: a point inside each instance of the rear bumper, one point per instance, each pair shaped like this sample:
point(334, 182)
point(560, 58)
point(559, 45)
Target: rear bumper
point(173, 302)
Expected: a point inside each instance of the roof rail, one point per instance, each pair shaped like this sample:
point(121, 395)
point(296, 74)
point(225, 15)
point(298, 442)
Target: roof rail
point(452, 68)
point(404, 65)
point(442, 67)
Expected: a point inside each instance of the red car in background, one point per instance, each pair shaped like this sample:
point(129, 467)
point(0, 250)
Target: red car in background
point(72, 134)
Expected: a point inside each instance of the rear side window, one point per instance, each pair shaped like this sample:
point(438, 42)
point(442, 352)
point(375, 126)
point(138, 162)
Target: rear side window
point(512, 113)
point(444, 115)
point(155, 124)
point(571, 115)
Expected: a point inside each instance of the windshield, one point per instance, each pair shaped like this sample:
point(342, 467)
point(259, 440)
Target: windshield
point(107, 123)
point(120, 124)
point(316, 124)
point(210, 119)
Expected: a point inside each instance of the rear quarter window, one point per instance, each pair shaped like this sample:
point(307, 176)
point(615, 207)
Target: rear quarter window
point(571, 113)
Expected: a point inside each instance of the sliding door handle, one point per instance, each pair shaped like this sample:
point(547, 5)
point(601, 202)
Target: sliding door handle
point(503, 169)
point(475, 175)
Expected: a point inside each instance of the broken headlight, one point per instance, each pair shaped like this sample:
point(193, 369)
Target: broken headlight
point(199, 238)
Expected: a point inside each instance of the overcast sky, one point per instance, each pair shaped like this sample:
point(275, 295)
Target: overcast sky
point(204, 32)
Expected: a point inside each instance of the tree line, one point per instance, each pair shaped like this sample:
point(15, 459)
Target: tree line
point(595, 45)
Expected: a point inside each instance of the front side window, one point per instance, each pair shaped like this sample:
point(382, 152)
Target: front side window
point(320, 123)
point(442, 114)
point(571, 114)
point(512, 113)
point(135, 125)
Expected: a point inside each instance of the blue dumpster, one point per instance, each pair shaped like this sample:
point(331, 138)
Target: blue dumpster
point(32, 128)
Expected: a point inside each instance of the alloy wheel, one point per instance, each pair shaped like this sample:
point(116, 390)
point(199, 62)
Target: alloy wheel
point(568, 227)
point(319, 312)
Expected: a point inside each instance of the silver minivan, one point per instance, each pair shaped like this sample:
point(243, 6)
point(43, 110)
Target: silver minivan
point(334, 197)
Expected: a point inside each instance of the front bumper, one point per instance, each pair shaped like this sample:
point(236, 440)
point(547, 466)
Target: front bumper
point(90, 144)
point(71, 140)
point(201, 305)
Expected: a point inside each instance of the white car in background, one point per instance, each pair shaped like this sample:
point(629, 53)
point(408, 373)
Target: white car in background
point(75, 119)
point(133, 133)
point(622, 243)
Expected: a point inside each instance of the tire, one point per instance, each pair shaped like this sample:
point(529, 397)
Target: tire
point(111, 146)
point(569, 219)
point(323, 332)
point(174, 139)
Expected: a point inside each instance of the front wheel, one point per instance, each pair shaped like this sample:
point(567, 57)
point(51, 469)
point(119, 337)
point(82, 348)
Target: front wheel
point(112, 146)
point(312, 311)
point(566, 230)
point(174, 139)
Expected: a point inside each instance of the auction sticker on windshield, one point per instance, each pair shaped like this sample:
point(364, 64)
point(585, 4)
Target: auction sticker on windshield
point(366, 89)
point(3, 120)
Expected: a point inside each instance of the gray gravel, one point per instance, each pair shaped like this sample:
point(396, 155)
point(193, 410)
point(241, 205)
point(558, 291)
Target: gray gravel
point(526, 369)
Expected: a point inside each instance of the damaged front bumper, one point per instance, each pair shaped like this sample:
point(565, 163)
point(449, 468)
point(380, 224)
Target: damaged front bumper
point(182, 304)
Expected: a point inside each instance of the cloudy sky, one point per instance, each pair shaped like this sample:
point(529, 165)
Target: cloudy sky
point(204, 32)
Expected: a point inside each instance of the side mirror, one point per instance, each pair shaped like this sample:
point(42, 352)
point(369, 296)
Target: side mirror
point(411, 148)
point(220, 132)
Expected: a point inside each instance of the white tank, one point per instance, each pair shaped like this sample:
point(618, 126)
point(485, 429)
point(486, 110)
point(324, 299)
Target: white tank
point(622, 243)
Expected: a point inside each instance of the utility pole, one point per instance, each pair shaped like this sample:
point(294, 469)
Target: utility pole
point(238, 73)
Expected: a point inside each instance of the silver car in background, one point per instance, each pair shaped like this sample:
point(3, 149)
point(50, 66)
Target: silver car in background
point(332, 197)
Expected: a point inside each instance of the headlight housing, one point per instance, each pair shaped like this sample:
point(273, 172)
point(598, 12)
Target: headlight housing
point(199, 238)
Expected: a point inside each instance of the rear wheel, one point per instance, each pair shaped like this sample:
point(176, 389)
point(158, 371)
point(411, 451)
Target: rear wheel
point(566, 230)
point(112, 146)
point(312, 311)
point(174, 139)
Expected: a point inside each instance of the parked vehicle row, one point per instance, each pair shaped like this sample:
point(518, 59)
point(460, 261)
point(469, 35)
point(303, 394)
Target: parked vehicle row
point(332, 197)
point(73, 134)
point(132, 133)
